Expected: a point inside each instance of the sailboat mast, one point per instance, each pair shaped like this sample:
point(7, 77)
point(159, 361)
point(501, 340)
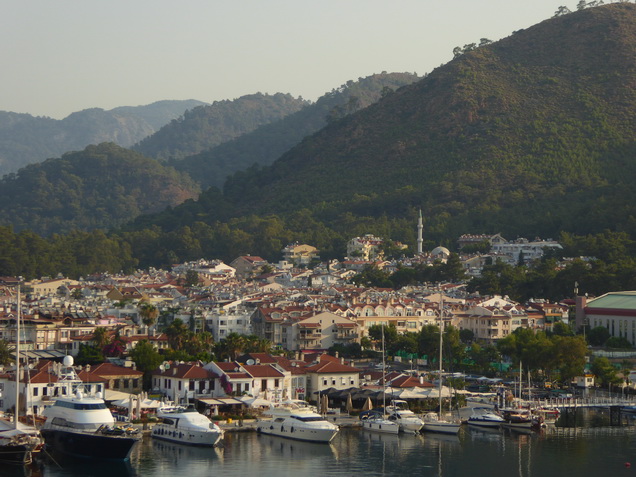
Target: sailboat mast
point(441, 332)
point(17, 360)
point(383, 376)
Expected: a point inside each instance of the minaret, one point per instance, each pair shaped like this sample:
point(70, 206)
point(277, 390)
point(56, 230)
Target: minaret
point(420, 228)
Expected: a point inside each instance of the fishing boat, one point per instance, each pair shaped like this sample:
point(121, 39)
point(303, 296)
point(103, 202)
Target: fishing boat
point(435, 422)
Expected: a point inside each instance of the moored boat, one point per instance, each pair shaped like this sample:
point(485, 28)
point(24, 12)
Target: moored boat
point(377, 422)
point(82, 426)
point(187, 427)
point(485, 418)
point(297, 423)
point(517, 418)
point(408, 421)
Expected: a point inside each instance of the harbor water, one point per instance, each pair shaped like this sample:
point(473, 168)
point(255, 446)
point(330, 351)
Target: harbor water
point(575, 451)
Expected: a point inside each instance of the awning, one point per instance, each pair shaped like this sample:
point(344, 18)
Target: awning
point(221, 401)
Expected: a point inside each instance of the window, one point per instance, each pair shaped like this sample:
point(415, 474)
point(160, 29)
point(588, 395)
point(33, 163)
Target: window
point(35, 391)
point(116, 384)
point(276, 382)
point(179, 385)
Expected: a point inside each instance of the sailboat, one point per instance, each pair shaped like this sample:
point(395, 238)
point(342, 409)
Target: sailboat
point(18, 441)
point(380, 422)
point(435, 422)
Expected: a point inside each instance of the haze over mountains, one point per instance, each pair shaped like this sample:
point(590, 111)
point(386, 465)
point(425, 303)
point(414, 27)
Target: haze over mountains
point(26, 139)
point(531, 135)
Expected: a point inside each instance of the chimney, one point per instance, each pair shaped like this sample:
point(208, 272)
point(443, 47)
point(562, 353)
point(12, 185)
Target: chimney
point(342, 361)
point(174, 371)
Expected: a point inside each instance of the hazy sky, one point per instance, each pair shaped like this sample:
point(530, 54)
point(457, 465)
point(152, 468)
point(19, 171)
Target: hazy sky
point(67, 55)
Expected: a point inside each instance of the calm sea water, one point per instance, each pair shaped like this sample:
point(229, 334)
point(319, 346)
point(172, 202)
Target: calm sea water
point(582, 452)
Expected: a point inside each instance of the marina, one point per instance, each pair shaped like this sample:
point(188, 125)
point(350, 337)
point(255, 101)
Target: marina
point(584, 451)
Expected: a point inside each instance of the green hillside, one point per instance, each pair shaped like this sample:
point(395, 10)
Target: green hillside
point(531, 135)
point(207, 126)
point(98, 188)
point(25, 139)
point(268, 142)
point(528, 135)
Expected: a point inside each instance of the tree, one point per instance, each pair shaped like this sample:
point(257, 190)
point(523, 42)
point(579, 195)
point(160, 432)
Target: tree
point(147, 359)
point(191, 278)
point(561, 329)
point(597, 336)
point(604, 371)
point(101, 337)
point(390, 335)
point(148, 313)
point(571, 351)
point(89, 354)
point(231, 346)
point(177, 333)
point(619, 342)
point(466, 335)
point(5, 353)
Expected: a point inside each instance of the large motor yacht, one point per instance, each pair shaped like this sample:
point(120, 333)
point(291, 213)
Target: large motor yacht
point(294, 422)
point(82, 426)
point(187, 426)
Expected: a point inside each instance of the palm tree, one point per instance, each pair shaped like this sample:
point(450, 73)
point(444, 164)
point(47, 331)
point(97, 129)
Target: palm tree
point(231, 346)
point(100, 337)
point(177, 333)
point(254, 344)
point(148, 313)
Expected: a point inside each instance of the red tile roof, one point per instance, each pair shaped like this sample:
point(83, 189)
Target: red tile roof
point(263, 371)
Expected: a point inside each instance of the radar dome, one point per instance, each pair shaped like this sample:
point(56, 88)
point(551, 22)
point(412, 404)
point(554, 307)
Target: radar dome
point(68, 361)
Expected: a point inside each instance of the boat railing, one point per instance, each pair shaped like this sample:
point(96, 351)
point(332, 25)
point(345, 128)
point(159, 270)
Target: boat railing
point(103, 429)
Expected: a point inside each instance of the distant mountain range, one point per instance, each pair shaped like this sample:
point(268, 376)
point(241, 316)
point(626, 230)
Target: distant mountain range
point(208, 126)
point(534, 134)
point(268, 142)
point(26, 139)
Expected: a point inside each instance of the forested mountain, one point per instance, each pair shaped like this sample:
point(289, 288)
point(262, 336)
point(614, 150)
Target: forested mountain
point(268, 142)
point(534, 134)
point(97, 188)
point(207, 126)
point(531, 135)
point(25, 139)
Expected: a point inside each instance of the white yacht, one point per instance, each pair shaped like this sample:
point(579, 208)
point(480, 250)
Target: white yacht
point(408, 421)
point(484, 417)
point(434, 423)
point(187, 426)
point(380, 423)
point(298, 423)
point(82, 426)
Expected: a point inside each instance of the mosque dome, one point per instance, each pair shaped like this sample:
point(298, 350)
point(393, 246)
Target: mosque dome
point(441, 252)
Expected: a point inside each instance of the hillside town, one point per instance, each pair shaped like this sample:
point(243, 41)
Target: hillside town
point(300, 307)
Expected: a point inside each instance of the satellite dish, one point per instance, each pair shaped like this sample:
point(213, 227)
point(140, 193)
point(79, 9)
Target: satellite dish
point(250, 362)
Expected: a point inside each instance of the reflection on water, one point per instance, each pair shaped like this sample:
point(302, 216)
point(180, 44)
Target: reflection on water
point(62, 465)
point(584, 452)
